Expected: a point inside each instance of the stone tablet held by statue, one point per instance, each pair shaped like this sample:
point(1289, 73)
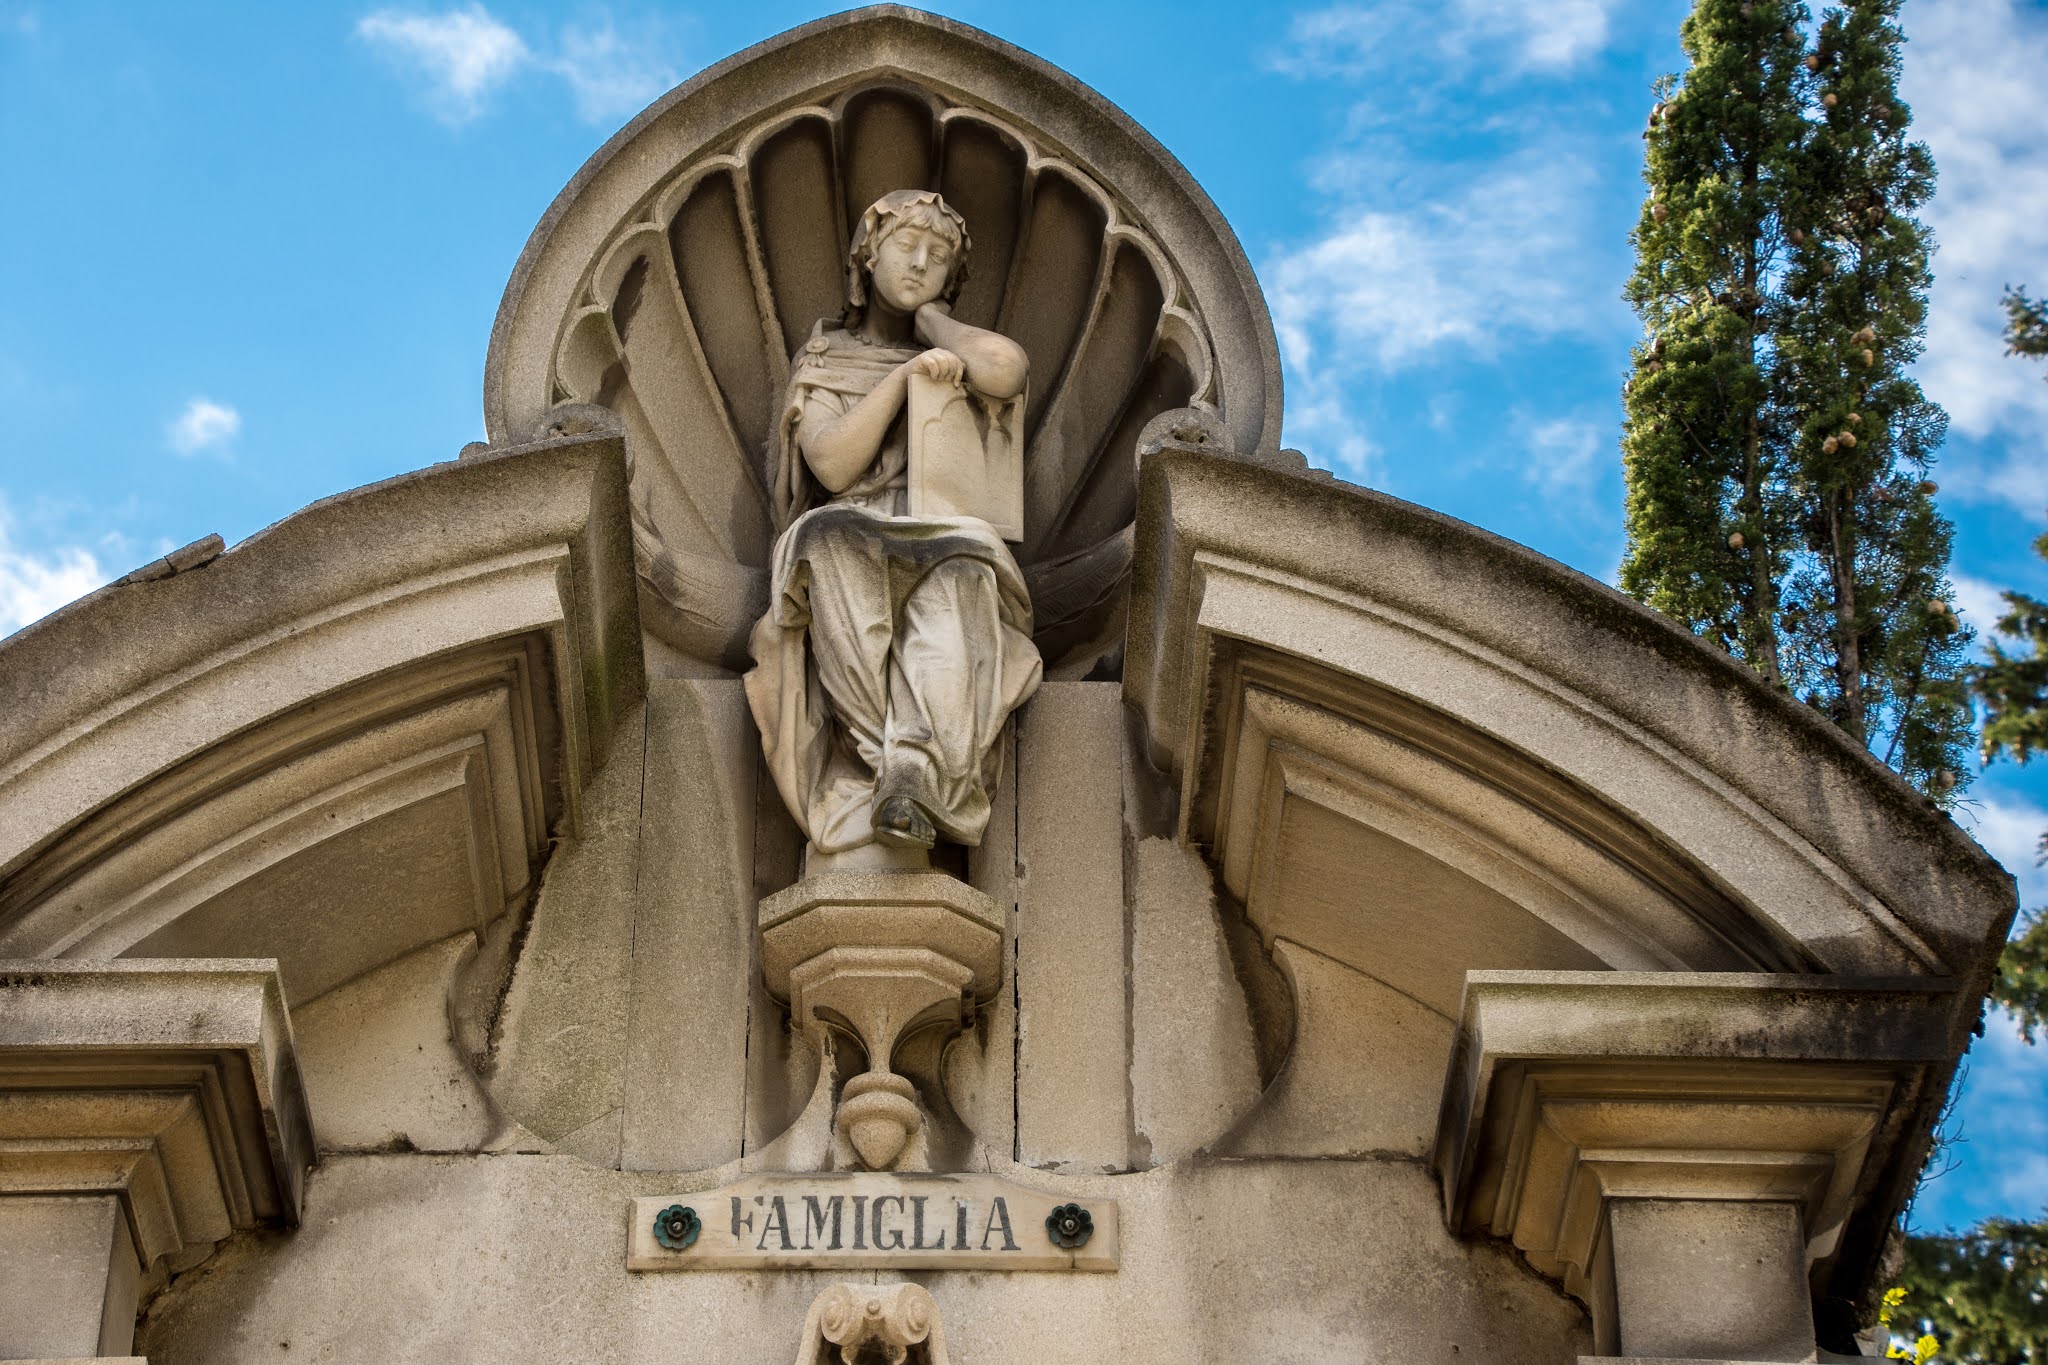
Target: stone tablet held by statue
point(966, 455)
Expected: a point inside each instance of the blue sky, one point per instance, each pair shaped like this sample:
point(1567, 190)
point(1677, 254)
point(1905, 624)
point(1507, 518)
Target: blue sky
point(253, 251)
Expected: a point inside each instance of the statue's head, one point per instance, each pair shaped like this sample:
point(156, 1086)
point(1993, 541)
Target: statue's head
point(909, 249)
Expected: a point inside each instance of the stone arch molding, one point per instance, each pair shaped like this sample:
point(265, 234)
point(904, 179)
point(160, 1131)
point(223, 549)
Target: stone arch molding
point(668, 286)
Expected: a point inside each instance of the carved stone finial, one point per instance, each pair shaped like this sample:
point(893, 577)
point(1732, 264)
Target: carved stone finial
point(893, 1323)
point(1199, 428)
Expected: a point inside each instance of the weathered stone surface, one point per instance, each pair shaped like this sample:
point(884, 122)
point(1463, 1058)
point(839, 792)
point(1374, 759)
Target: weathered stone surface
point(1252, 1260)
point(1380, 719)
point(1409, 753)
point(693, 941)
point(899, 959)
point(881, 909)
point(1383, 595)
point(980, 1066)
point(1194, 1068)
point(1699, 1278)
point(381, 1064)
point(346, 738)
point(174, 1083)
point(70, 1277)
point(885, 673)
point(854, 1321)
point(956, 470)
point(164, 1101)
point(134, 680)
point(561, 1049)
point(1333, 1099)
point(1073, 1019)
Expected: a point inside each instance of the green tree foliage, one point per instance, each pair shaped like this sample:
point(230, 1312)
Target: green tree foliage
point(1709, 535)
point(2014, 686)
point(2014, 689)
point(2026, 324)
point(2022, 982)
point(1776, 450)
point(1983, 1294)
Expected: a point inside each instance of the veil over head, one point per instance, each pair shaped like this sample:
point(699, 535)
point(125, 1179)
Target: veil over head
point(875, 224)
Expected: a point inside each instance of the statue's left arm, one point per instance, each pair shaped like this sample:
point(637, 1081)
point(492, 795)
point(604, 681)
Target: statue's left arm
point(995, 364)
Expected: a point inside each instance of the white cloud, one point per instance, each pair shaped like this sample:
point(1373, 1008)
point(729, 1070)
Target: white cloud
point(1321, 423)
point(1551, 36)
point(1352, 40)
point(1565, 455)
point(466, 55)
point(1500, 257)
point(203, 425)
point(1979, 602)
point(1973, 77)
point(1424, 260)
point(32, 584)
point(463, 54)
point(2010, 831)
point(609, 77)
point(2003, 1161)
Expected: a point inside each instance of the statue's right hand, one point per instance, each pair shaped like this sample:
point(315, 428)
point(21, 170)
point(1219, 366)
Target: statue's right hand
point(939, 364)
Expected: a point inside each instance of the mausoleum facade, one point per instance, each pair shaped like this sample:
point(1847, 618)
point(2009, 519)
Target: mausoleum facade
point(881, 816)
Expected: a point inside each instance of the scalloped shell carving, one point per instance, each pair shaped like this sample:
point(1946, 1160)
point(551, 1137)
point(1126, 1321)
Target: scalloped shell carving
point(684, 314)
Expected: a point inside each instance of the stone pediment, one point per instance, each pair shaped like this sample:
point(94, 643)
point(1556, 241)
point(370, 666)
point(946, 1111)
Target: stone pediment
point(673, 279)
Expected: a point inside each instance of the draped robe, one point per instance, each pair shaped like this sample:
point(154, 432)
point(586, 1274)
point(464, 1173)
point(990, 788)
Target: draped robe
point(894, 647)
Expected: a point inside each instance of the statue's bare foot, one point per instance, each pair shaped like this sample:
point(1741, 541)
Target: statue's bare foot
point(902, 823)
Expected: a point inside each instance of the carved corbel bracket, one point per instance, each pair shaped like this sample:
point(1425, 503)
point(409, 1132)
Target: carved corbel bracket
point(1684, 1152)
point(880, 956)
point(153, 1107)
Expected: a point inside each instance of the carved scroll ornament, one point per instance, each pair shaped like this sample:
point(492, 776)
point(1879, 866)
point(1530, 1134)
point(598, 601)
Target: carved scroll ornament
point(893, 1324)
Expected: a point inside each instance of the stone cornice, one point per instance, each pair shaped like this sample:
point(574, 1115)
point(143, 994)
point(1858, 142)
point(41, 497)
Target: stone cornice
point(171, 1085)
point(1570, 1090)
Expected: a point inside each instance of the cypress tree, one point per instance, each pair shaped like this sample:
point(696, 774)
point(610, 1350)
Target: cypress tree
point(1705, 439)
point(1776, 451)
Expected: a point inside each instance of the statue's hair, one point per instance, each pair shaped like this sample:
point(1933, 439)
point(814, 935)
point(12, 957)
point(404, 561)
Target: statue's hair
point(903, 208)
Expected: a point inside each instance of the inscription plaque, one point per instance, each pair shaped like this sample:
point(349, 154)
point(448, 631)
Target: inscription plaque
point(911, 1222)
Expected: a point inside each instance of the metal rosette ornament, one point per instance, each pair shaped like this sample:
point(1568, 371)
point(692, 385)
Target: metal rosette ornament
point(677, 1227)
point(1069, 1226)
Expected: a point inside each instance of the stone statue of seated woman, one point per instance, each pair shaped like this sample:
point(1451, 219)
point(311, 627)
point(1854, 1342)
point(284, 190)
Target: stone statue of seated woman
point(896, 644)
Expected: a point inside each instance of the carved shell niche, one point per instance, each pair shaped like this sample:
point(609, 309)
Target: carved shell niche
point(686, 323)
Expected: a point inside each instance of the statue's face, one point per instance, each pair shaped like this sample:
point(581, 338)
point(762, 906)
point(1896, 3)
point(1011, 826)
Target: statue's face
point(911, 267)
